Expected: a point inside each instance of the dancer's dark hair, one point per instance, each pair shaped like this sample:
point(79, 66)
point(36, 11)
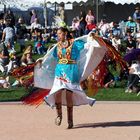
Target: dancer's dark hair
point(65, 30)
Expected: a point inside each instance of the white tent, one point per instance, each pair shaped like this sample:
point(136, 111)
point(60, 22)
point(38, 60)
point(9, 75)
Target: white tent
point(52, 1)
point(122, 1)
point(25, 4)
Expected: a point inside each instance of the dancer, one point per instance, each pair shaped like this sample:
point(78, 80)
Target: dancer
point(70, 68)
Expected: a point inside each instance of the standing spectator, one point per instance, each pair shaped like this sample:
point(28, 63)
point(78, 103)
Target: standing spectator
point(61, 12)
point(33, 16)
point(90, 17)
point(2, 26)
point(136, 17)
point(20, 33)
point(9, 17)
point(8, 35)
point(82, 23)
point(75, 27)
point(91, 22)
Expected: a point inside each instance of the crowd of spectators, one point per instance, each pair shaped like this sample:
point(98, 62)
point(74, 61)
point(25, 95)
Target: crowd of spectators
point(11, 31)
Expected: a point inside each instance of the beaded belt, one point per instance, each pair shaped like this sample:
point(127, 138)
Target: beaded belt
point(66, 61)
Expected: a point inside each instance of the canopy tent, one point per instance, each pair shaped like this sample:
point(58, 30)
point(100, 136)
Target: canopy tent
point(25, 4)
point(122, 1)
point(55, 1)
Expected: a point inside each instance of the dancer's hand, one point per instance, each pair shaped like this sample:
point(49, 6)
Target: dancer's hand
point(39, 63)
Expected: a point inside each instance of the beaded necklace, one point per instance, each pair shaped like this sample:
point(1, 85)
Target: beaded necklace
point(68, 50)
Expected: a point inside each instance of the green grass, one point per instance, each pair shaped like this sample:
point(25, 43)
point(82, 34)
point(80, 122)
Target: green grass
point(116, 94)
point(12, 94)
point(110, 94)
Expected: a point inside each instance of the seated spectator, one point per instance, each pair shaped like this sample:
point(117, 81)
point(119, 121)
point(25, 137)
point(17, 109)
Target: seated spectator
point(46, 37)
point(116, 29)
point(14, 59)
point(4, 57)
point(27, 57)
point(36, 32)
point(54, 34)
point(116, 42)
point(131, 25)
point(35, 25)
point(110, 35)
point(134, 77)
point(39, 47)
point(4, 82)
point(122, 28)
point(104, 27)
point(130, 44)
point(127, 34)
point(109, 80)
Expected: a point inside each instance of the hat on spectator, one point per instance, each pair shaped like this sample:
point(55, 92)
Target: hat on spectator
point(130, 18)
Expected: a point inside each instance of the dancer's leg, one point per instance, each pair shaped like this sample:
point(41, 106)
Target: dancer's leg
point(58, 103)
point(69, 100)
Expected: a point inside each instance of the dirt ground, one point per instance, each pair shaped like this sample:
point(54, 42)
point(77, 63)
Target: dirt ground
point(103, 121)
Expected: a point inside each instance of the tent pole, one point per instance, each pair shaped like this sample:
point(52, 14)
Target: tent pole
point(55, 8)
point(45, 13)
point(97, 11)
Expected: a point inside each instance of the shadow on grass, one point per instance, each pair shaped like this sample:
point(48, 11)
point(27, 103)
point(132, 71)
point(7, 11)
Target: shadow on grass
point(108, 124)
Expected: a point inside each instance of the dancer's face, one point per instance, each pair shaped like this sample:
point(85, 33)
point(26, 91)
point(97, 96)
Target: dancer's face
point(61, 35)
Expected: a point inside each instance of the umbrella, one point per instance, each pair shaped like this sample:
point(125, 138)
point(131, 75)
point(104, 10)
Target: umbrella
point(133, 55)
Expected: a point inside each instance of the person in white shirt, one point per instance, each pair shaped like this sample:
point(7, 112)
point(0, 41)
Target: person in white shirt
point(134, 77)
point(116, 42)
point(104, 27)
point(35, 25)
